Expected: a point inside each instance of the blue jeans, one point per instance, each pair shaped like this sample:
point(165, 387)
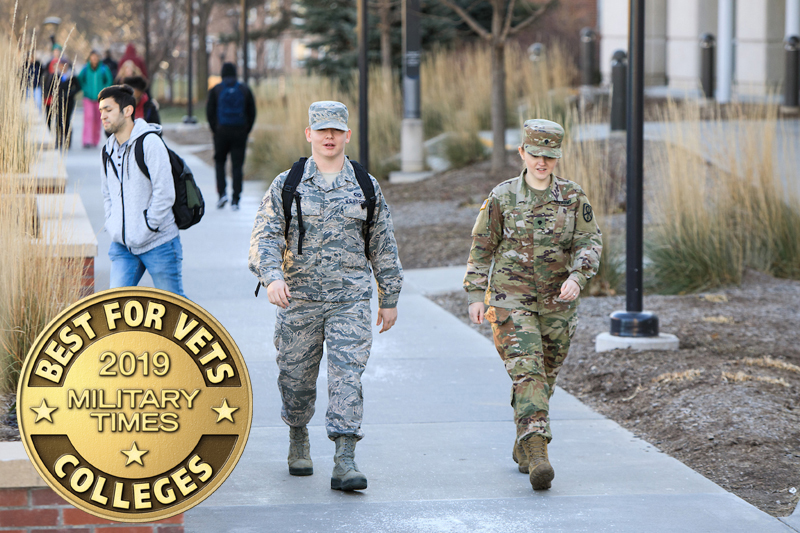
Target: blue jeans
point(162, 262)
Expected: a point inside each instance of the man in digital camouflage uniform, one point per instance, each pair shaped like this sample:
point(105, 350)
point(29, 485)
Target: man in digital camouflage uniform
point(323, 293)
point(540, 232)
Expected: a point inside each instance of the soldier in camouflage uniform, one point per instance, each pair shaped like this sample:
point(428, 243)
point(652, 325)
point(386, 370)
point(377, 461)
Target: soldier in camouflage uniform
point(537, 236)
point(323, 293)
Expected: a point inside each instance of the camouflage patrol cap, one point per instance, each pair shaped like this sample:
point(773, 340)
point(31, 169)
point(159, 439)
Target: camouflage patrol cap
point(542, 137)
point(327, 114)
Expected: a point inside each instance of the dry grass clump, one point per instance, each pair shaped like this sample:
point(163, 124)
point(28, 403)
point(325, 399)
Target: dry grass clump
point(677, 377)
point(740, 377)
point(455, 98)
point(283, 118)
point(719, 319)
point(35, 284)
point(714, 219)
point(768, 362)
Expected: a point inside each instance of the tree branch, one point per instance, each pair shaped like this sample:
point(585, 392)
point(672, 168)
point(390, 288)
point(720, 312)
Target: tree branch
point(471, 22)
point(530, 20)
point(507, 25)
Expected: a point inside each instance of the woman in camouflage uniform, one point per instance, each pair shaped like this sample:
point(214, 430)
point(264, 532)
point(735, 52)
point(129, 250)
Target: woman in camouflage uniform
point(537, 235)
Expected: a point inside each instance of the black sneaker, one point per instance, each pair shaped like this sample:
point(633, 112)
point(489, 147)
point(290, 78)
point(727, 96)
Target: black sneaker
point(222, 201)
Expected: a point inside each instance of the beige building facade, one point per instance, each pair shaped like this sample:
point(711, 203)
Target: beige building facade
point(749, 35)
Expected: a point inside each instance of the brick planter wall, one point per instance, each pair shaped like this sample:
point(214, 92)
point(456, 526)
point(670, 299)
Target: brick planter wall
point(41, 510)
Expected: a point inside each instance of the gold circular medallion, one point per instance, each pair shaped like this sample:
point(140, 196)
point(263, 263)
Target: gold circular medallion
point(134, 404)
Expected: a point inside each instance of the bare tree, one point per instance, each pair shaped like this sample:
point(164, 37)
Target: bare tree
point(502, 30)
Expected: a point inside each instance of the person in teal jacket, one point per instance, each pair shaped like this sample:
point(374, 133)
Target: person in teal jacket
point(94, 77)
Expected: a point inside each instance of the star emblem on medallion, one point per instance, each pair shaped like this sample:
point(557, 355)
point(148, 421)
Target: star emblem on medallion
point(134, 455)
point(225, 411)
point(43, 412)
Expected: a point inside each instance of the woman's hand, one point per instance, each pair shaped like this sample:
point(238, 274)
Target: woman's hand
point(570, 290)
point(476, 312)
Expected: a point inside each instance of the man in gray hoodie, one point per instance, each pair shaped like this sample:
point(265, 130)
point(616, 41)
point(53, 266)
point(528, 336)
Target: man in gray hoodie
point(138, 209)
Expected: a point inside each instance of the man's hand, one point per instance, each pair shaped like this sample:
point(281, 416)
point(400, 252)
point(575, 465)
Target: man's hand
point(278, 293)
point(387, 316)
point(476, 311)
point(569, 290)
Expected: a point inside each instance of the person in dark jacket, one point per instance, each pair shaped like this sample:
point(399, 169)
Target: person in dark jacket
point(110, 63)
point(231, 113)
point(64, 102)
point(146, 107)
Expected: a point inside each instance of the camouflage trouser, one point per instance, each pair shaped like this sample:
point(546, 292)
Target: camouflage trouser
point(300, 331)
point(532, 346)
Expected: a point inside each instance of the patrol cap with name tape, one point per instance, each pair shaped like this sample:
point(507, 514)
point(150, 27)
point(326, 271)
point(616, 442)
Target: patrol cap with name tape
point(327, 114)
point(542, 137)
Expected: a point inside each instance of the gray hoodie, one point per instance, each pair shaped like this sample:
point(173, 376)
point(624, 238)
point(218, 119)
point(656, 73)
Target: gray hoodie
point(139, 210)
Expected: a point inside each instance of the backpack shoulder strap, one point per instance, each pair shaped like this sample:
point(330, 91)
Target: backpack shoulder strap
point(364, 181)
point(289, 193)
point(106, 157)
point(138, 152)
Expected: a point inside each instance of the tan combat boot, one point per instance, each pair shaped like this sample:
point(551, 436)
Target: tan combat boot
point(346, 475)
point(520, 457)
point(541, 473)
point(299, 452)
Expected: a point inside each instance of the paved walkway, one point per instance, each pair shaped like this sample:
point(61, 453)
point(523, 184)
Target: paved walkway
point(438, 426)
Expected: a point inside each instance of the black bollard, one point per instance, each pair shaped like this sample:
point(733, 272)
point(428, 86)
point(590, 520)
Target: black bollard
point(791, 83)
point(619, 89)
point(588, 69)
point(708, 45)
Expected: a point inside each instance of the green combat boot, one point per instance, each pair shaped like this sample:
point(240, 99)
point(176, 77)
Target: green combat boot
point(299, 452)
point(346, 475)
point(520, 457)
point(541, 473)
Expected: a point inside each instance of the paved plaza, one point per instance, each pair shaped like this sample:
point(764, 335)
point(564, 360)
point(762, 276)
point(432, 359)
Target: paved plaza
point(437, 421)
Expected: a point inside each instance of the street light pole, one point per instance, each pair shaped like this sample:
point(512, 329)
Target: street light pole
point(633, 322)
point(245, 60)
point(147, 36)
point(363, 84)
point(189, 118)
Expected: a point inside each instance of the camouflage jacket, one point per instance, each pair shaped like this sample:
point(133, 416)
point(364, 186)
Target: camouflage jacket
point(532, 247)
point(333, 266)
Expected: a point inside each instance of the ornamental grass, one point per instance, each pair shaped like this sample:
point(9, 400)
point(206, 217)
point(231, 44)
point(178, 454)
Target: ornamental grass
point(35, 284)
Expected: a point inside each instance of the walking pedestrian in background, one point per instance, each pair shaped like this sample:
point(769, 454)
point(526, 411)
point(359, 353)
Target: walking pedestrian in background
point(537, 235)
point(130, 64)
point(142, 227)
point(94, 77)
point(110, 63)
point(231, 113)
point(50, 83)
point(146, 107)
point(67, 88)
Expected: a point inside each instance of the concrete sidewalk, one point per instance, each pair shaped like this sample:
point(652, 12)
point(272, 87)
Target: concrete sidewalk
point(438, 426)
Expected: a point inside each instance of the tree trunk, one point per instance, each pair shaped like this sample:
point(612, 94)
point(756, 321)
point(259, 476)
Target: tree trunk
point(385, 9)
point(498, 106)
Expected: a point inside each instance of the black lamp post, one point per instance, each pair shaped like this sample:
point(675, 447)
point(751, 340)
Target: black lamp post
point(363, 84)
point(189, 118)
point(633, 322)
point(53, 23)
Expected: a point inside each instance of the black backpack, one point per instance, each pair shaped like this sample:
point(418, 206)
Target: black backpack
point(289, 193)
point(231, 105)
point(189, 206)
